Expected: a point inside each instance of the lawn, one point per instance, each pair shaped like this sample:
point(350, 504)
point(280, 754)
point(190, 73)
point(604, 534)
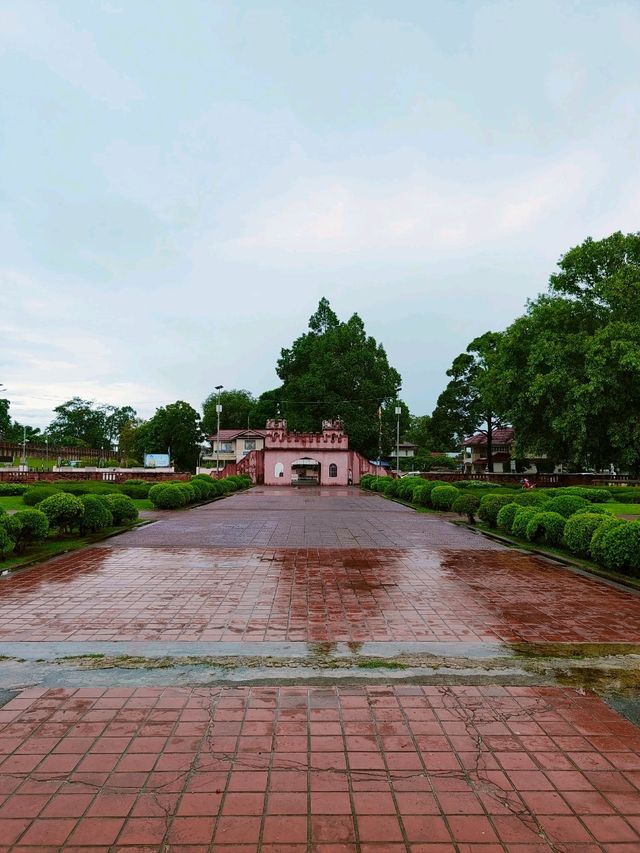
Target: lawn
point(622, 509)
point(16, 503)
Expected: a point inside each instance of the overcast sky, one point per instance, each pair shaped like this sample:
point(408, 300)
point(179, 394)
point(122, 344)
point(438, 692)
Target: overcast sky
point(182, 180)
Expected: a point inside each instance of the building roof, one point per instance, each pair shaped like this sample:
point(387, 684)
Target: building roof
point(497, 457)
point(407, 444)
point(500, 436)
point(230, 434)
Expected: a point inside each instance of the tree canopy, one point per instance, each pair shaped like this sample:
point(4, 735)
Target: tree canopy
point(336, 370)
point(174, 428)
point(84, 423)
point(238, 407)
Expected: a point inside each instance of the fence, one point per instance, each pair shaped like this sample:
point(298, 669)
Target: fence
point(105, 474)
point(41, 451)
point(542, 480)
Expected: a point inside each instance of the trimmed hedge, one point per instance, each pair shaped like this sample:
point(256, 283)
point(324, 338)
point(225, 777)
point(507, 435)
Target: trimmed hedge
point(443, 497)
point(466, 505)
point(579, 530)
point(173, 495)
point(64, 512)
point(597, 546)
point(96, 516)
point(546, 527)
point(621, 547)
point(34, 494)
point(6, 543)
point(490, 506)
point(520, 521)
point(505, 517)
point(34, 527)
point(567, 505)
point(122, 508)
point(9, 490)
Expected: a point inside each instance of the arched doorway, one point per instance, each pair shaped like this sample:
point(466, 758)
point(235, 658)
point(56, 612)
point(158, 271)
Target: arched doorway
point(305, 472)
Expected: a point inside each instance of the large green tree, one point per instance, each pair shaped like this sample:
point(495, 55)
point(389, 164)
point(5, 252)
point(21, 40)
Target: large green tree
point(568, 371)
point(87, 424)
point(336, 370)
point(174, 428)
point(468, 403)
point(237, 409)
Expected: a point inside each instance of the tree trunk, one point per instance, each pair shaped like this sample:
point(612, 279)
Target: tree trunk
point(490, 443)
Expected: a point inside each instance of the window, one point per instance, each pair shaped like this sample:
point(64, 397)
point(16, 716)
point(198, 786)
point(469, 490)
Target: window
point(249, 444)
point(333, 470)
point(279, 469)
point(226, 447)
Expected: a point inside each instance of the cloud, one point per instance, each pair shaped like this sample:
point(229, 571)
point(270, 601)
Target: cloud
point(34, 29)
point(421, 212)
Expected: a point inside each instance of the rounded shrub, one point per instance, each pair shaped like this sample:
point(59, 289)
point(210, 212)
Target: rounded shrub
point(442, 497)
point(63, 511)
point(122, 508)
point(8, 490)
point(521, 520)
point(530, 498)
point(391, 487)
point(200, 488)
point(135, 489)
point(7, 544)
point(595, 496)
point(406, 486)
point(505, 517)
point(546, 527)
point(621, 548)
point(567, 505)
point(188, 491)
point(35, 494)
point(34, 527)
point(466, 504)
point(579, 530)
point(12, 525)
point(97, 515)
point(365, 481)
point(597, 545)
point(490, 506)
point(169, 496)
point(426, 490)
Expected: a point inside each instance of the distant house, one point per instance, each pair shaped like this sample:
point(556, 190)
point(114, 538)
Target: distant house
point(406, 450)
point(475, 451)
point(232, 445)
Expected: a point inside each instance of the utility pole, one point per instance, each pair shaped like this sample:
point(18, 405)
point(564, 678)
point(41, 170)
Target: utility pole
point(398, 413)
point(218, 411)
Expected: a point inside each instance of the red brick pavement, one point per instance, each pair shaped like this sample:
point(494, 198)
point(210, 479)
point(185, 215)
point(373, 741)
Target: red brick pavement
point(294, 769)
point(312, 595)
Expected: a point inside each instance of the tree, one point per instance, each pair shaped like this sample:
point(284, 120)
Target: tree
point(468, 402)
point(237, 411)
point(568, 370)
point(174, 428)
point(86, 424)
point(336, 370)
point(419, 433)
point(5, 418)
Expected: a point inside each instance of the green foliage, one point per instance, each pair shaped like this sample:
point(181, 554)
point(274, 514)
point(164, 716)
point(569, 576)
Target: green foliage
point(338, 364)
point(82, 423)
point(7, 544)
point(86, 487)
point(625, 494)
point(138, 489)
point(597, 546)
point(8, 490)
point(167, 496)
point(96, 516)
point(34, 527)
point(567, 505)
point(557, 365)
point(122, 509)
point(595, 496)
point(579, 531)
point(238, 408)
point(530, 498)
point(63, 511)
point(35, 494)
point(546, 527)
point(407, 485)
point(466, 504)
point(620, 548)
point(176, 426)
point(443, 497)
point(505, 516)
point(490, 506)
point(391, 487)
point(521, 520)
point(12, 525)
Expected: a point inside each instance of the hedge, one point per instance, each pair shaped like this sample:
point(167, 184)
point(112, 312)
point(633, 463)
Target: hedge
point(122, 508)
point(466, 505)
point(97, 515)
point(546, 527)
point(8, 490)
point(579, 530)
point(34, 527)
point(490, 506)
point(620, 547)
point(63, 511)
point(567, 505)
point(35, 494)
point(506, 515)
point(6, 543)
point(520, 521)
point(443, 497)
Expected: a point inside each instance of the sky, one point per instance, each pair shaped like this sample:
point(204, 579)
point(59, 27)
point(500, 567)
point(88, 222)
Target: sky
point(181, 182)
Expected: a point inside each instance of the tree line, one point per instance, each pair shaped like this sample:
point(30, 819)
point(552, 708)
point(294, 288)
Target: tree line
point(565, 375)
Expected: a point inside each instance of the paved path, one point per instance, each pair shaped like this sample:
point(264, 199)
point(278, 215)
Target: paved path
point(301, 768)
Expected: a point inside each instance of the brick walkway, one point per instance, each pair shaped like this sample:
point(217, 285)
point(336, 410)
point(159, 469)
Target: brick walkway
point(424, 769)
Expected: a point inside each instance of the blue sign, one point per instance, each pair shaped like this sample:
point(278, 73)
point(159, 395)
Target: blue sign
point(156, 460)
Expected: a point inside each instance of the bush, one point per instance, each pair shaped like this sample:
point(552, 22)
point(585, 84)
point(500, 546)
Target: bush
point(579, 531)
point(621, 547)
point(625, 494)
point(546, 527)
point(567, 505)
point(167, 496)
point(391, 487)
point(596, 545)
point(365, 481)
point(530, 498)
point(595, 496)
point(505, 517)
point(425, 489)
point(406, 486)
point(521, 520)
point(442, 497)
point(135, 489)
point(7, 544)
point(122, 508)
point(188, 491)
point(86, 487)
point(8, 490)
point(466, 505)
point(64, 512)
point(12, 526)
point(35, 494)
point(97, 515)
point(490, 506)
point(34, 527)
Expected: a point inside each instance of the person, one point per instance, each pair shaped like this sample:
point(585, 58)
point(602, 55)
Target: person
point(526, 484)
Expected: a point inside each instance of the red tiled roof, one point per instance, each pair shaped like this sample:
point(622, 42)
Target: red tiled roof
point(500, 436)
point(230, 434)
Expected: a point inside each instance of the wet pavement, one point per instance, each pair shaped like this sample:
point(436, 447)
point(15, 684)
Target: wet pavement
point(136, 735)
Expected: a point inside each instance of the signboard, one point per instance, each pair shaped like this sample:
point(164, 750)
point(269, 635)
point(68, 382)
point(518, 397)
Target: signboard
point(156, 460)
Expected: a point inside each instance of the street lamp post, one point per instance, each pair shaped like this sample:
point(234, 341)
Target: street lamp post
point(398, 413)
point(218, 411)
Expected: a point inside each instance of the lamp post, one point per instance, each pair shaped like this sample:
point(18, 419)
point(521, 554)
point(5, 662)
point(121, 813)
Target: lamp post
point(218, 411)
point(398, 413)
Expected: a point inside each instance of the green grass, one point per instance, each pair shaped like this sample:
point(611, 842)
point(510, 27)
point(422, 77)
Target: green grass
point(622, 509)
point(16, 502)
